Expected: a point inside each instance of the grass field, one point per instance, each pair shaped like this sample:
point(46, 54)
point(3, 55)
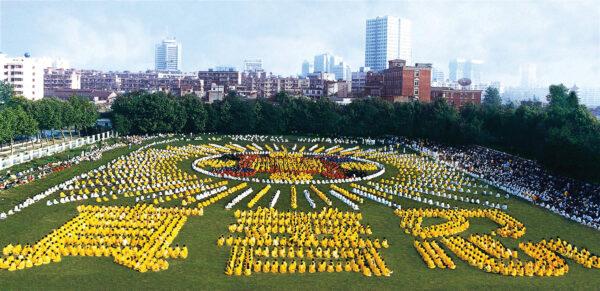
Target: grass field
point(204, 267)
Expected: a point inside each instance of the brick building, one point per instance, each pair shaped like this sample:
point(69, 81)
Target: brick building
point(401, 83)
point(456, 97)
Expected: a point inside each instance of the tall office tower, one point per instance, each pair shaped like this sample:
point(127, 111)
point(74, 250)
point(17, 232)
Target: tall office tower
point(461, 68)
point(25, 74)
point(473, 71)
point(387, 38)
point(322, 63)
point(167, 55)
point(528, 74)
point(456, 69)
point(342, 71)
point(334, 61)
point(254, 65)
point(306, 68)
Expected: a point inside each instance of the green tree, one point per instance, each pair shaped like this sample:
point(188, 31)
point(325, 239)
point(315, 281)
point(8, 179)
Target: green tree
point(491, 98)
point(84, 112)
point(196, 114)
point(142, 113)
point(68, 118)
point(6, 120)
point(6, 92)
point(271, 117)
point(16, 122)
point(471, 123)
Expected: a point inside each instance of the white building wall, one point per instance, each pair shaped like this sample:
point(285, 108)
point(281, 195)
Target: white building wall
point(25, 74)
point(405, 40)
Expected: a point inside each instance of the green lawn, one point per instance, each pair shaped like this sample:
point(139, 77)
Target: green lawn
point(205, 265)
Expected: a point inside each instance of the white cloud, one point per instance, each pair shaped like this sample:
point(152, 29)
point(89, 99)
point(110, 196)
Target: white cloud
point(100, 42)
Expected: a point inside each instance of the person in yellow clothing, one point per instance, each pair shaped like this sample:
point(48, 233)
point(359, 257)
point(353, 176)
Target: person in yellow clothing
point(322, 266)
point(266, 267)
point(312, 267)
point(283, 267)
point(275, 267)
point(302, 267)
point(292, 267)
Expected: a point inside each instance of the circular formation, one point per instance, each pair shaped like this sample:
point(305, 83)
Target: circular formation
point(282, 167)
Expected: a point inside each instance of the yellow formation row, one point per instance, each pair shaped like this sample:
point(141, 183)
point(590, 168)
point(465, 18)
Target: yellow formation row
point(412, 219)
point(359, 166)
point(433, 255)
point(259, 195)
point(293, 197)
point(546, 263)
point(137, 237)
point(492, 246)
point(580, 255)
point(346, 193)
point(321, 195)
point(326, 241)
point(485, 252)
point(287, 162)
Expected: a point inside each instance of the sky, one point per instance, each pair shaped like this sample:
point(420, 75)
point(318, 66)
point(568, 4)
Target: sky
point(562, 38)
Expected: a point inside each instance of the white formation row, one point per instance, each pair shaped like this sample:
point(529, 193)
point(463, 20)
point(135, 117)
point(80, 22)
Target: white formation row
point(238, 198)
point(344, 199)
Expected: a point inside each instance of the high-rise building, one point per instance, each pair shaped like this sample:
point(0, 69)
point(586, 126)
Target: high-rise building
point(456, 69)
point(342, 71)
point(25, 74)
point(387, 38)
point(461, 68)
point(328, 63)
point(473, 71)
point(528, 75)
point(322, 63)
point(306, 68)
point(254, 65)
point(167, 56)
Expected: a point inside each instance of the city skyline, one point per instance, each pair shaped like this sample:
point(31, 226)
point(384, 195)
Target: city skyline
point(507, 35)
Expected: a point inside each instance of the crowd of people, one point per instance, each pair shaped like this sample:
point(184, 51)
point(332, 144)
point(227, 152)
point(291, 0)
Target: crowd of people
point(11, 180)
point(71, 192)
point(297, 242)
point(573, 199)
point(484, 251)
point(138, 237)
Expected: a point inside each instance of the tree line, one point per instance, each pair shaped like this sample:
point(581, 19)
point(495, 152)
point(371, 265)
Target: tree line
point(562, 134)
point(20, 117)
